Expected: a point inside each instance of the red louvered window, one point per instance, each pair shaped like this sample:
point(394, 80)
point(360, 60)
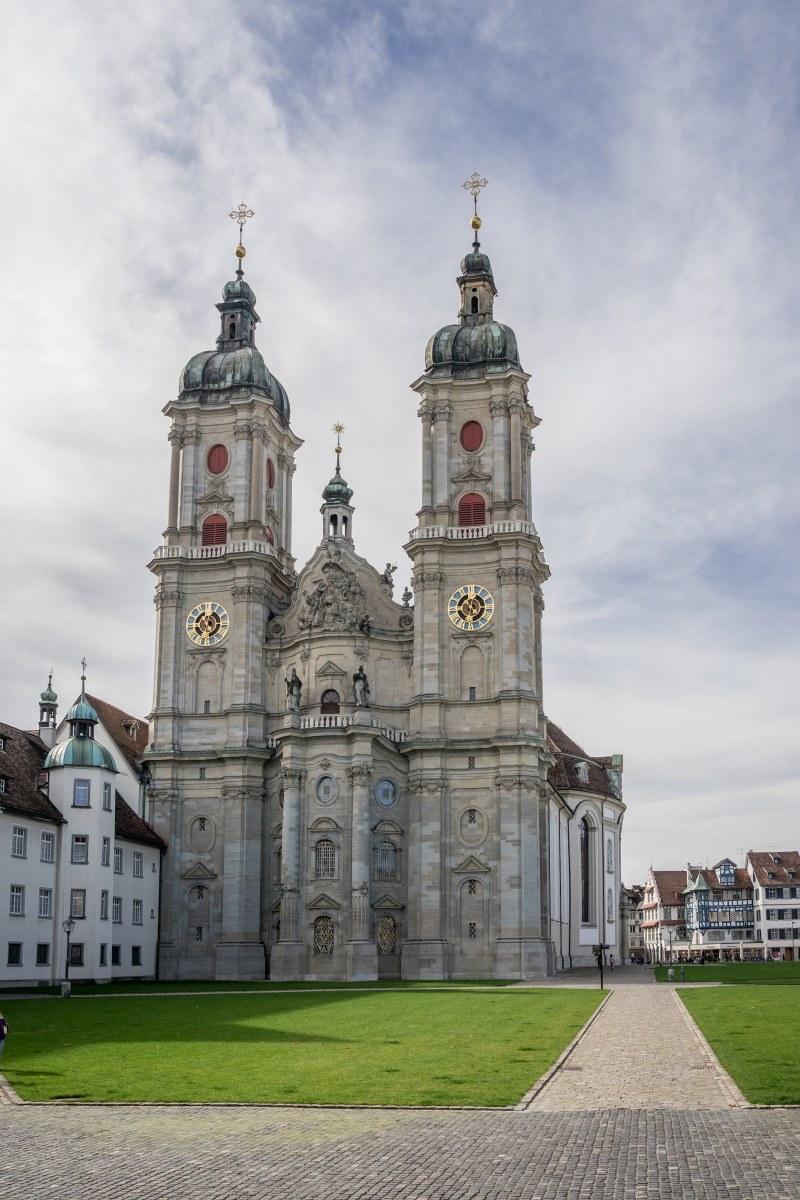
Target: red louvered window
point(217, 459)
point(215, 530)
point(471, 436)
point(472, 509)
point(270, 474)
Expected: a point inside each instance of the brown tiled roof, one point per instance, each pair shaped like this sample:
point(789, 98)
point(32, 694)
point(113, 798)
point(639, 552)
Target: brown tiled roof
point(670, 885)
point(740, 878)
point(20, 764)
point(130, 733)
point(131, 827)
point(564, 775)
point(769, 872)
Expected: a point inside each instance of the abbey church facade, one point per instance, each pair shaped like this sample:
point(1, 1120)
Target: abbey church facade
point(352, 784)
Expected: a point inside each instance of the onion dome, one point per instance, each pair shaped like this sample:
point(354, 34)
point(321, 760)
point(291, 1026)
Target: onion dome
point(236, 363)
point(337, 491)
point(477, 344)
point(82, 711)
point(48, 696)
point(80, 752)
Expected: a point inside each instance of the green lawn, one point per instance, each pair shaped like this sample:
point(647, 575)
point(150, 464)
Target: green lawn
point(379, 1047)
point(738, 972)
point(755, 1033)
point(254, 985)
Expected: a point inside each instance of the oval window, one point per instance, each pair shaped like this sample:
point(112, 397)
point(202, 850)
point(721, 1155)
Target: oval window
point(327, 789)
point(471, 435)
point(386, 792)
point(270, 474)
point(217, 459)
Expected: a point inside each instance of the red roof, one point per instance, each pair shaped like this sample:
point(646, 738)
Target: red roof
point(128, 825)
point(670, 885)
point(563, 774)
point(21, 765)
point(129, 732)
point(775, 866)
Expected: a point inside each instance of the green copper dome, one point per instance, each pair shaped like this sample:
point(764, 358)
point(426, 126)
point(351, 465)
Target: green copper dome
point(461, 348)
point(48, 696)
point(236, 363)
point(337, 491)
point(81, 752)
point(82, 711)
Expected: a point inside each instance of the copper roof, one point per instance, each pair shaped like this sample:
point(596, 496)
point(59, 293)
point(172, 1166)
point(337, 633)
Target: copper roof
point(769, 871)
point(21, 765)
point(563, 774)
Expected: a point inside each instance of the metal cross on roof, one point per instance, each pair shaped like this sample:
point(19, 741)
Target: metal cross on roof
point(241, 215)
point(474, 185)
point(338, 429)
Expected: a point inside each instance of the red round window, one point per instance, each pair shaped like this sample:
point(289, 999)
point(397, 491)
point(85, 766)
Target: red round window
point(471, 435)
point(270, 474)
point(217, 459)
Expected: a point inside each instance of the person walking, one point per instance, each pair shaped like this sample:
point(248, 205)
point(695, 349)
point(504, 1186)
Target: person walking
point(3, 1033)
point(611, 962)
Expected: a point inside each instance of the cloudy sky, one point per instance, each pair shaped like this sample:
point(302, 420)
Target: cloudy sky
point(642, 221)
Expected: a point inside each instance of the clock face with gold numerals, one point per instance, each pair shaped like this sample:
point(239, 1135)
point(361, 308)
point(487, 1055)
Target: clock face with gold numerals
point(207, 624)
point(471, 607)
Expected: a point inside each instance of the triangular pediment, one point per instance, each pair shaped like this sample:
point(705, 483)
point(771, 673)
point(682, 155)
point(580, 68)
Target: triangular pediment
point(471, 866)
point(323, 901)
point(216, 497)
point(385, 826)
point(471, 475)
point(330, 668)
point(388, 903)
point(198, 871)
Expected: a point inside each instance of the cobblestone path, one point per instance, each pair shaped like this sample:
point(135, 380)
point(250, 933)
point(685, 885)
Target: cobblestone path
point(641, 1051)
point(158, 1153)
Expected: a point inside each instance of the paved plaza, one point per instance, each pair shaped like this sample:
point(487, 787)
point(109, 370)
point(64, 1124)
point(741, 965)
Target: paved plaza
point(638, 1109)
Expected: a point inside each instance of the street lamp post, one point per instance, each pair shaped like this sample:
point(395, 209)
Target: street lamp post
point(68, 927)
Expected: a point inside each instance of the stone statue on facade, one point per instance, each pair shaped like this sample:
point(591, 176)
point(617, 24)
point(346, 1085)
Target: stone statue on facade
point(386, 577)
point(294, 687)
point(407, 597)
point(361, 688)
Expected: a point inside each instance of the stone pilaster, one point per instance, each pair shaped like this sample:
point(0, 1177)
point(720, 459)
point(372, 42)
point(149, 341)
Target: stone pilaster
point(424, 954)
point(188, 486)
point(287, 960)
point(441, 461)
point(362, 957)
point(239, 949)
point(424, 413)
point(176, 441)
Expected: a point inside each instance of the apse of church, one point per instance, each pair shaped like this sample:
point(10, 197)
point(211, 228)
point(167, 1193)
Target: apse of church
point(354, 784)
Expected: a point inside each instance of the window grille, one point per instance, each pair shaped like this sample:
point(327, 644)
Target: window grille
point(473, 929)
point(472, 819)
point(472, 887)
point(138, 864)
point(323, 937)
point(385, 860)
point(198, 933)
point(45, 902)
point(386, 935)
point(19, 841)
point(16, 906)
point(48, 852)
point(325, 859)
point(137, 912)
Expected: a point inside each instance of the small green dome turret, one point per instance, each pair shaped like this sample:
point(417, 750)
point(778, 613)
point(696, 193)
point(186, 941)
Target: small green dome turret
point(82, 711)
point(48, 696)
point(337, 490)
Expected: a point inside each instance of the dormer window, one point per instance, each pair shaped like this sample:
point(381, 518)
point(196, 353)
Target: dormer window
point(582, 771)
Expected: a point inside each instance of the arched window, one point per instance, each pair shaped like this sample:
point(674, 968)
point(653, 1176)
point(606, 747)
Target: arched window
point(386, 935)
point(215, 530)
point(232, 329)
point(386, 860)
point(471, 435)
point(472, 887)
point(329, 702)
point(586, 832)
point(217, 459)
point(610, 905)
point(474, 305)
point(325, 859)
point(610, 856)
point(323, 937)
point(472, 509)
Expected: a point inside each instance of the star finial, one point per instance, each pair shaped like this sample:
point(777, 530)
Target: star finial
point(83, 678)
point(241, 216)
point(338, 429)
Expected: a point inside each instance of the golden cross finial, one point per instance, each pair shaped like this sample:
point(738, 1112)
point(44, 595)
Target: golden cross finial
point(338, 429)
point(474, 185)
point(241, 215)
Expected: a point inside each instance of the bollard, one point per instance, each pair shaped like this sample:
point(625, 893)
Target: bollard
point(670, 974)
point(66, 990)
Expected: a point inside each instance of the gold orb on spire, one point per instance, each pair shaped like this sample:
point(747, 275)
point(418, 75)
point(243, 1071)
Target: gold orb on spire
point(476, 222)
point(240, 251)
